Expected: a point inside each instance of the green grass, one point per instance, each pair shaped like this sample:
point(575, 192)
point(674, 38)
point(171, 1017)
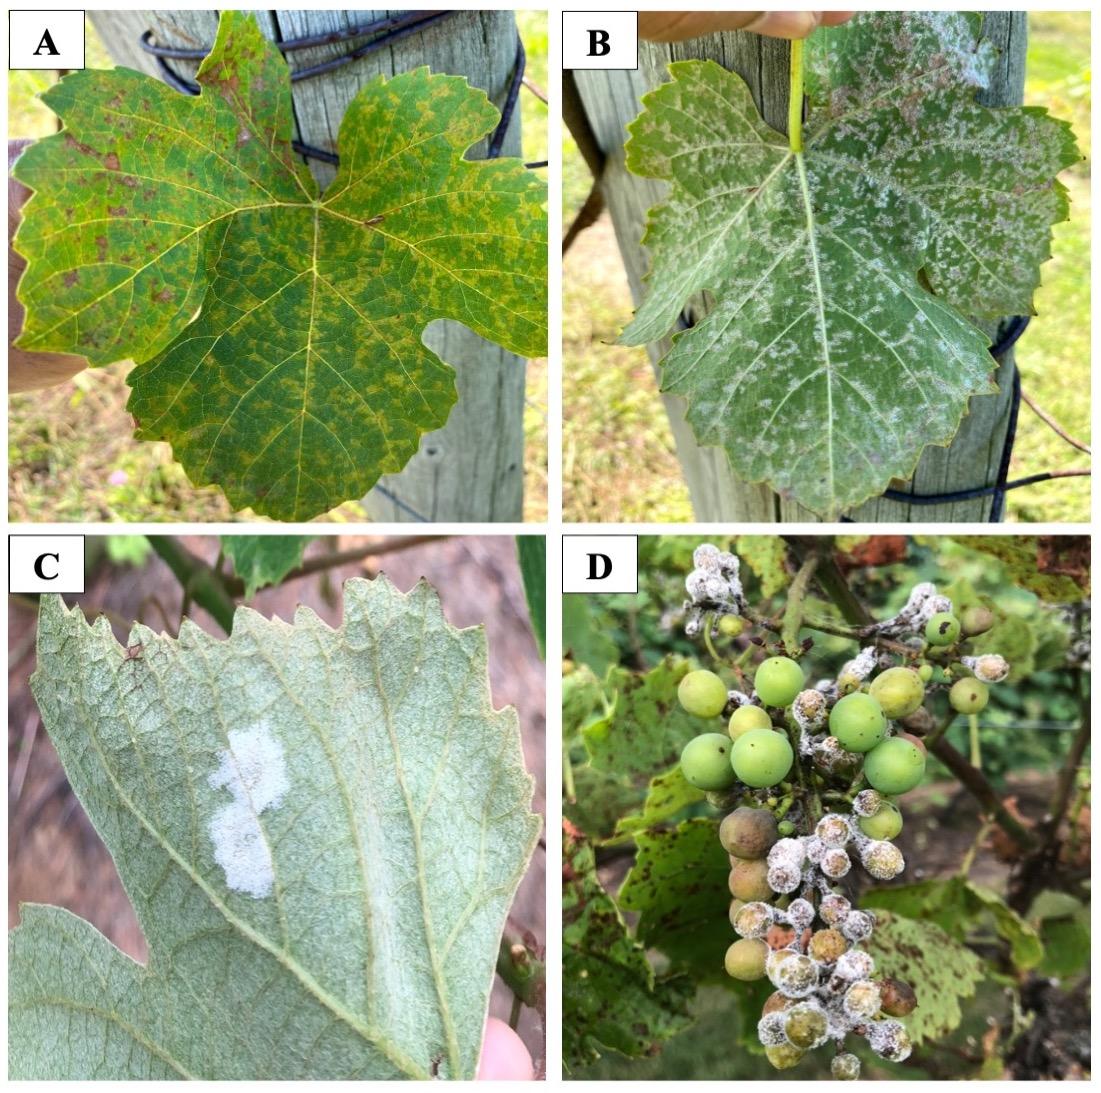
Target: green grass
point(612, 475)
point(71, 451)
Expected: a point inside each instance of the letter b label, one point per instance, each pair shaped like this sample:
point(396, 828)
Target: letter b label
point(600, 39)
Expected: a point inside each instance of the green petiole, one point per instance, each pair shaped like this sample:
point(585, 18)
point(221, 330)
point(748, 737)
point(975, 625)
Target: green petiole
point(795, 103)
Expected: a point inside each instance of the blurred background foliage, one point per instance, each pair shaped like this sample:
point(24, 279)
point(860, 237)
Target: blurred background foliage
point(71, 451)
point(619, 461)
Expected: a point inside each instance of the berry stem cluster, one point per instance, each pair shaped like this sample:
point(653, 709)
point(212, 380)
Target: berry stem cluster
point(809, 779)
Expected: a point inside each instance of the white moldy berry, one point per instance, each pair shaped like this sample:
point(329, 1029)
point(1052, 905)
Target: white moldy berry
point(706, 556)
point(855, 964)
point(835, 864)
point(858, 925)
point(833, 909)
point(809, 710)
point(989, 668)
point(796, 976)
point(890, 1040)
point(787, 852)
point(834, 830)
point(800, 913)
point(867, 802)
point(857, 670)
point(770, 1029)
point(815, 848)
point(882, 859)
point(783, 877)
point(845, 1067)
point(754, 919)
point(862, 999)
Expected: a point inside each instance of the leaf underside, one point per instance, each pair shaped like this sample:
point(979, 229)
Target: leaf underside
point(320, 830)
point(845, 281)
point(277, 330)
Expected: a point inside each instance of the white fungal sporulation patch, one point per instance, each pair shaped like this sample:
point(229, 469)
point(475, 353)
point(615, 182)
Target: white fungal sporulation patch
point(254, 771)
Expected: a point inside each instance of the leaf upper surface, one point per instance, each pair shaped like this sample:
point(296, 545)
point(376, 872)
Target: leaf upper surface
point(320, 830)
point(277, 332)
point(844, 278)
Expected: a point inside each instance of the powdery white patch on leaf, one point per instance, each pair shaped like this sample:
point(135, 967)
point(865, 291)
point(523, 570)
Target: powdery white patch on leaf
point(253, 769)
point(845, 279)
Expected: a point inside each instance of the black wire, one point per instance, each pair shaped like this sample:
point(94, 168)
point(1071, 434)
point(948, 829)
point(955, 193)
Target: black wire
point(390, 30)
point(394, 499)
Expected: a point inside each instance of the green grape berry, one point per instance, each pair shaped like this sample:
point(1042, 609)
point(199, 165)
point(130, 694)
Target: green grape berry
point(761, 758)
point(745, 959)
point(942, 629)
point(748, 833)
point(785, 828)
point(784, 1056)
point(778, 681)
point(702, 694)
point(969, 696)
point(885, 824)
point(857, 722)
point(746, 718)
point(899, 691)
point(748, 880)
point(895, 766)
point(976, 620)
point(705, 761)
point(925, 671)
point(730, 626)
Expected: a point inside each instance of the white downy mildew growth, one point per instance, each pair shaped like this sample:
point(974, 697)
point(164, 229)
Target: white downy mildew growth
point(254, 770)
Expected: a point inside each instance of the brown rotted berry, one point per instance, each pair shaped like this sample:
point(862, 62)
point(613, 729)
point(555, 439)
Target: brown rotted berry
point(899, 998)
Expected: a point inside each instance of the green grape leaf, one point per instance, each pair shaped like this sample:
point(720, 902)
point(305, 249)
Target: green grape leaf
point(260, 560)
point(611, 997)
point(679, 887)
point(582, 638)
point(646, 728)
point(320, 830)
point(939, 968)
point(844, 278)
point(957, 905)
point(669, 794)
point(277, 330)
point(765, 556)
point(582, 694)
point(1064, 926)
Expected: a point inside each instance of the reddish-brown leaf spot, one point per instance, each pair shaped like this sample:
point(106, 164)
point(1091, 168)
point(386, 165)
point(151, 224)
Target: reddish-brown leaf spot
point(111, 161)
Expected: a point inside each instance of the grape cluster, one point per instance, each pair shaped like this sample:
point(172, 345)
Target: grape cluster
point(808, 778)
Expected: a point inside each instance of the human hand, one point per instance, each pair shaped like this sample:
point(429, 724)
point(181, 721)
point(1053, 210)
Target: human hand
point(675, 26)
point(28, 371)
point(504, 1056)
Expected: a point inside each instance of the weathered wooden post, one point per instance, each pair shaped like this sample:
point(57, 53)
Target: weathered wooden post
point(473, 468)
point(611, 100)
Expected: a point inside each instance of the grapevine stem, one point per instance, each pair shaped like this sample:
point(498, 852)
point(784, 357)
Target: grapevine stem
point(797, 597)
point(707, 639)
point(795, 103)
point(976, 753)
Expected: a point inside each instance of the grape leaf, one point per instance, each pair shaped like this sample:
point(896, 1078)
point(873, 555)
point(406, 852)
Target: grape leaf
point(679, 887)
point(939, 968)
point(260, 560)
point(957, 905)
point(321, 832)
point(277, 331)
point(844, 277)
point(611, 997)
point(646, 728)
point(669, 794)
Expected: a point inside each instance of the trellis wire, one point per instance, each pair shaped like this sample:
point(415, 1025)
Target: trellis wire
point(389, 30)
